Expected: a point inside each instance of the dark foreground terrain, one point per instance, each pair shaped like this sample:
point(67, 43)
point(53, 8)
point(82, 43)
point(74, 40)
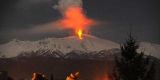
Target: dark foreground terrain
point(22, 68)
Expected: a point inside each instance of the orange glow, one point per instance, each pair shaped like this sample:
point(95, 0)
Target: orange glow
point(75, 19)
point(74, 76)
point(102, 77)
point(80, 34)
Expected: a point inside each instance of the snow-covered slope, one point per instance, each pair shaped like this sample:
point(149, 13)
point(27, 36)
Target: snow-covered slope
point(150, 49)
point(65, 45)
point(90, 45)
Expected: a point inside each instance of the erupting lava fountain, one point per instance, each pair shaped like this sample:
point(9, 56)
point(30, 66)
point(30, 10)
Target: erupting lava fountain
point(75, 19)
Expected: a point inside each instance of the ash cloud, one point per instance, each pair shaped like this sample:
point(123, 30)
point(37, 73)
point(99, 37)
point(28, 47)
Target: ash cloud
point(63, 5)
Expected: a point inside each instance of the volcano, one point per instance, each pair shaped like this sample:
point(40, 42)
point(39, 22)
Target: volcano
point(91, 56)
point(62, 46)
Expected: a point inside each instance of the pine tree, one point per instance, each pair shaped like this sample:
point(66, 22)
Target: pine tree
point(52, 78)
point(131, 65)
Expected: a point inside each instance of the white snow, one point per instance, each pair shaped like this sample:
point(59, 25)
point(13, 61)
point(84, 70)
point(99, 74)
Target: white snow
point(65, 45)
point(72, 43)
point(150, 49)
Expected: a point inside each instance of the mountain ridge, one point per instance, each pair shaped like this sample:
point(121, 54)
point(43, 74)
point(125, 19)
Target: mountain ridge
point(63, 46)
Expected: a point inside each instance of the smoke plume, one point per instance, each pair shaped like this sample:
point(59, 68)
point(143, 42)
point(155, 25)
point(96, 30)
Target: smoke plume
point(63, 5)
point(73, 17)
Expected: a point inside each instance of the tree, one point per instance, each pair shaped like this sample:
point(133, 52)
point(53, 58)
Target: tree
point(52, 77)
point(131, 65)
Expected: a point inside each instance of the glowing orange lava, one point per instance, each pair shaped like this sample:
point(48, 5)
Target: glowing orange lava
point(80, 34)
point(75, 19)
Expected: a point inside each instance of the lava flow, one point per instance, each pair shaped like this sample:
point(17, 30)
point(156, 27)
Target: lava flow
point(75, 19)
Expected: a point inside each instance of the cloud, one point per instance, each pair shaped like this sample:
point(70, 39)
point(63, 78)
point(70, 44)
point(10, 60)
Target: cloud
point(63, 5)
point(51, 27)
point(44, 28)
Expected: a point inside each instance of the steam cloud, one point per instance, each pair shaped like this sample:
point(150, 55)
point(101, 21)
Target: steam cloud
point(63, 5)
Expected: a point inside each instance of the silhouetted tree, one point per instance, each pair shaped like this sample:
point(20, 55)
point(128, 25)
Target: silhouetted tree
point(4, 76)
point(9, 78)
point(52, 77)
point(131, 65)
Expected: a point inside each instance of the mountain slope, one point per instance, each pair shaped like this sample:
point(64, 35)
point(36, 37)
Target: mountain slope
point(64, 45)
point(150, 49)
point(71, 46)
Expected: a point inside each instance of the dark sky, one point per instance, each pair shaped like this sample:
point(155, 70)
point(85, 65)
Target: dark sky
point(119, 17)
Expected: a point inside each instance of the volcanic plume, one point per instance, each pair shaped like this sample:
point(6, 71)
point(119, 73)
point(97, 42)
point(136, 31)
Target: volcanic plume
point(73, 17)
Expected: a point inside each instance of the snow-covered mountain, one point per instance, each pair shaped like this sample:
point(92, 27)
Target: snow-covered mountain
point(71, 46)
point(64, 45)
